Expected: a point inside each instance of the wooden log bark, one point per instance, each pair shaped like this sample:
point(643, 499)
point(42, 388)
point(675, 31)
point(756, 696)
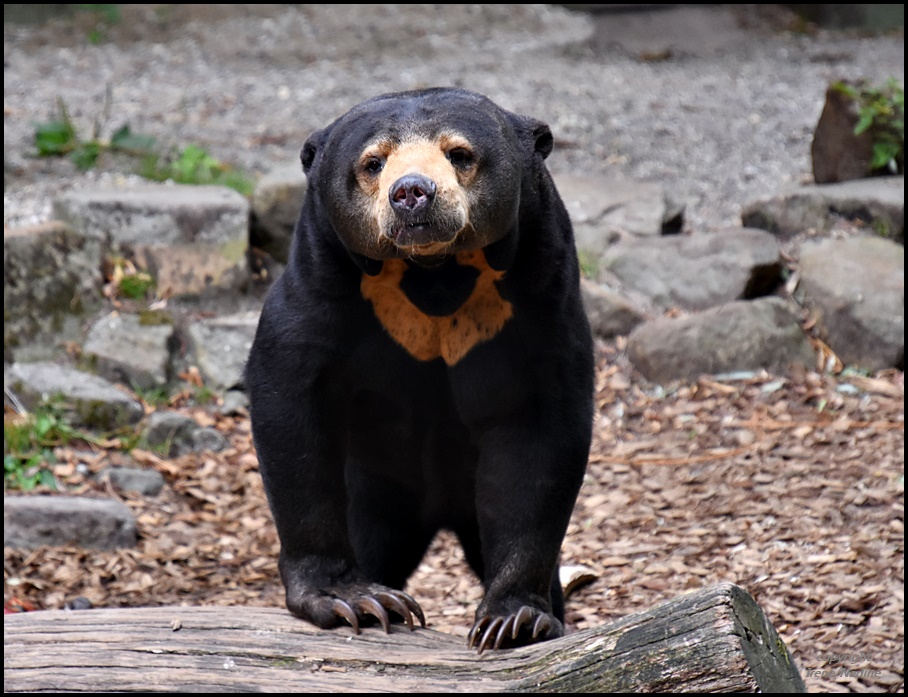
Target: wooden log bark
point(714, 640)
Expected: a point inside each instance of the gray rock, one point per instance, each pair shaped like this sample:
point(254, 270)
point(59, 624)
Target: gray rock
point(233, 402)
point(170, 432)
point(877, 201)
point(51, 279)
point(208, 439)
point(856, 287)
point(600, 208)
point(745, 335)
point(700, 271)
point(142, 481)
point(191, 238)
point(35, 521)
point(89, 400)
point(221, 346)
point(177, 434)
point(127, 348)
point(610, 313)
point(276, 203)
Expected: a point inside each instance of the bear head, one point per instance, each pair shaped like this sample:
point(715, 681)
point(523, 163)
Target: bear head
point(423, 174)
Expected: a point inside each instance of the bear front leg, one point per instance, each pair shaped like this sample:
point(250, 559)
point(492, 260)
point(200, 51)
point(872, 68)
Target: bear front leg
point(299, 446)
point(527, 482)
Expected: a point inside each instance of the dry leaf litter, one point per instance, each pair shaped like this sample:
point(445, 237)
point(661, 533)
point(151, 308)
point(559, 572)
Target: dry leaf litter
point(791, 487)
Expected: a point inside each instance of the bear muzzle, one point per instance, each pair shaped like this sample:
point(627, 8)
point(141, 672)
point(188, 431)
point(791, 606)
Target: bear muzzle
point(412, 194)
point(421, 220)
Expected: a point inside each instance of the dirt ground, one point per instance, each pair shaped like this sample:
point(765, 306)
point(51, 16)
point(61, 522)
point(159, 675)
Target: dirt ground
point(791, 487)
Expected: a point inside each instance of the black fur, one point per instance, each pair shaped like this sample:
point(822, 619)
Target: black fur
point(366, 451)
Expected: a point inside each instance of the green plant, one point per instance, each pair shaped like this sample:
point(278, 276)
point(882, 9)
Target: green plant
point(204, 395)
point(191, 165)
point(136, 286)
point(58, 137)
point(29, 440)
point(126, 280)
point(881, 111)
point(194, 165)
point(106, 15)
point(27, 473)
point(153, 396)
point(589, 265)
point(110, 13)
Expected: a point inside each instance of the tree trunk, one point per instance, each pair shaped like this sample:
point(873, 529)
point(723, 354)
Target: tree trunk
point(714, 640)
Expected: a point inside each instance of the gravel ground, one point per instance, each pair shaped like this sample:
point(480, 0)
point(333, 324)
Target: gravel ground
point(718, 102)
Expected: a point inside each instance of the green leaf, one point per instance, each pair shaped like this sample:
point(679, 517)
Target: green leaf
point(883, 154)
point(865, 122)
point(136, 286)
point(55, 138)
point(46, 478)
point(86, 154)
point(125, 139)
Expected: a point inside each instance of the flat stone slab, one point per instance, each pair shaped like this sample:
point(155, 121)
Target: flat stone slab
point(190, 238)
point(90, 401)
point(34, 521)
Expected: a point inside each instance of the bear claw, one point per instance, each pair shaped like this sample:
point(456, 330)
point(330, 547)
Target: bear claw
point(499, 632)
point(377, 604)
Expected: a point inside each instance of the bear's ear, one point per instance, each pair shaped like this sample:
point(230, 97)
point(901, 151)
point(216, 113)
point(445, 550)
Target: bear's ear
point(310, 149)
point(534, 134)
point(543, 141)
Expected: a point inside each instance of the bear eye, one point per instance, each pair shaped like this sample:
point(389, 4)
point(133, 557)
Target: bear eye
point(373, 165)
point(460, 157)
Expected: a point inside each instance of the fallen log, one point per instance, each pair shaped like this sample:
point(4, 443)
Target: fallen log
point(713, 640)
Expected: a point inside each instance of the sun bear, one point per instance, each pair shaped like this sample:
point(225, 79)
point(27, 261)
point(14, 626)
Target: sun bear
point(424, 363)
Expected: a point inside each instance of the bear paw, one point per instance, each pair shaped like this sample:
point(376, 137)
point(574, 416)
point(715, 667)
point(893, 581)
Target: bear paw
point(525, 626)
point(355, 603)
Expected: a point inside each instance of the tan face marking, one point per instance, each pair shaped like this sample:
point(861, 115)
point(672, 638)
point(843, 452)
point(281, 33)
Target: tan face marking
point(415, 156)
point(425, 337)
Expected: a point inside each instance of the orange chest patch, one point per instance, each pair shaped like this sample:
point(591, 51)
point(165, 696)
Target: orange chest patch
point(450, 337)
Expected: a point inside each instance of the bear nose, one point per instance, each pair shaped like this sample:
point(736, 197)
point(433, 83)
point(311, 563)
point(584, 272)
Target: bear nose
point(412, 193)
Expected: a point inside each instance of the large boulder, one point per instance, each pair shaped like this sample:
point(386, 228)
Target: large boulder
point(837, 153)
point(745, 335)
point(699, 271)
point(878, 202)
point(856, 288)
